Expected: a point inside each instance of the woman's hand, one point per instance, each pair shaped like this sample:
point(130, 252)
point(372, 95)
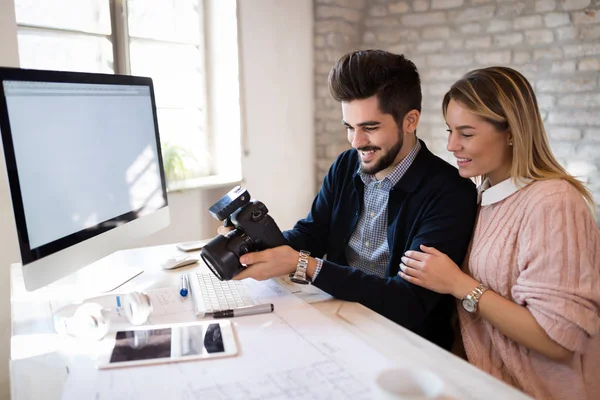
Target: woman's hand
point(435, 271)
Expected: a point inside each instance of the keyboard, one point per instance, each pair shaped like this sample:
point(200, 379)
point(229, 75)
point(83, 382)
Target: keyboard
point(210, 294)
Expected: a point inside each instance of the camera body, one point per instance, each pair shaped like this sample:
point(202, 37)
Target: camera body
point(255, 230)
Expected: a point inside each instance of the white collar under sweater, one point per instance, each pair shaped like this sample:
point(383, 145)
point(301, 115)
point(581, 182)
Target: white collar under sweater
point(487, 194)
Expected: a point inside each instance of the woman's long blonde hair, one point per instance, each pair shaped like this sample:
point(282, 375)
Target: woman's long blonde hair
point(504, 98)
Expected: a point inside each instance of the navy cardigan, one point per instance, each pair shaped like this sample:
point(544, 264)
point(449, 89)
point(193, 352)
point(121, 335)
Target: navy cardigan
point(430, 205)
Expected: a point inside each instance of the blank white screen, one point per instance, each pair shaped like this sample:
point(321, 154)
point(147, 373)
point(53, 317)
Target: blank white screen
point(85, 154)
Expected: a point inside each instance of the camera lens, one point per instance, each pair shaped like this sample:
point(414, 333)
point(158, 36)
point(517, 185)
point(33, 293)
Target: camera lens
point(222, 254)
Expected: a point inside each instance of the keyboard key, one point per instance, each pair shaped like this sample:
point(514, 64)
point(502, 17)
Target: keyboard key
point(219, 295)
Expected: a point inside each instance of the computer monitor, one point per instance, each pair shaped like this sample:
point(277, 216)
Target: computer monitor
point(84, 167)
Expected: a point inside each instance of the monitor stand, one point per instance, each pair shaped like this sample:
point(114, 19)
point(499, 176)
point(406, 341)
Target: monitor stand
point(105, 280)
point(102, 276)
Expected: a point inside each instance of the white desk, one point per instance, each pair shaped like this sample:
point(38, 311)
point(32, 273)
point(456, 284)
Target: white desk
point(39, 370)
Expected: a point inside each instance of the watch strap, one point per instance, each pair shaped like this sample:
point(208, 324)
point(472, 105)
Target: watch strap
point(299, 276)
point(475, 295)
point(478, 292)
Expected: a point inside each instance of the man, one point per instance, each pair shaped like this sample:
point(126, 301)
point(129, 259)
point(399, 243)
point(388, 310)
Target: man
point(387, 195)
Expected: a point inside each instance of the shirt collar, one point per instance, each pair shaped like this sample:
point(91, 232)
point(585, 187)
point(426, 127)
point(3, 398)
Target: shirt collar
point(398, 172)
point(487, 194)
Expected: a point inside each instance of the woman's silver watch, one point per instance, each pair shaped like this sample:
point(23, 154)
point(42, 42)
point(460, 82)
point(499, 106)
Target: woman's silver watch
point(471, 301)
point(299, 276)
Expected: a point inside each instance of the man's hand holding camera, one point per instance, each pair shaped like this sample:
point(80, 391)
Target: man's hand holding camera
point(270, 263)
point(250, 245)
point(224, 230)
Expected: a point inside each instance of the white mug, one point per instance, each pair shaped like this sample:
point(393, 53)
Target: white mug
point(410, 384)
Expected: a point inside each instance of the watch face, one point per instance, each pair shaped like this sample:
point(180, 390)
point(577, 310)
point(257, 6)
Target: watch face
point(469, 305)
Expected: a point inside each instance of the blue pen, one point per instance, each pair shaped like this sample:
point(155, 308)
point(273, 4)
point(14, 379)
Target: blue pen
point(185, 287)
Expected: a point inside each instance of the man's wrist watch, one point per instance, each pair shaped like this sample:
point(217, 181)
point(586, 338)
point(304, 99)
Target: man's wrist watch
point(300, 275)
point(471, 301)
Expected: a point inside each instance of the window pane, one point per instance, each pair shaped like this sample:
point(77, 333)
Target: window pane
point(64, 51)
point(175, 69)
point(165, 44)
point(168, 20)
point(182, 136)
point(81, 15)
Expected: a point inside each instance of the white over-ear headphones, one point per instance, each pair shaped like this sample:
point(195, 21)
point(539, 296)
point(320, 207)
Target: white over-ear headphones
point(91, 320)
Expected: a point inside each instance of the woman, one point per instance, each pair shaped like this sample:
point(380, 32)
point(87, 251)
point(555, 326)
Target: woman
point(530, 297)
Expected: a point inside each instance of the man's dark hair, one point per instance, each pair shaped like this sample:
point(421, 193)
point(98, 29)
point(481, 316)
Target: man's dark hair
point(393, 78)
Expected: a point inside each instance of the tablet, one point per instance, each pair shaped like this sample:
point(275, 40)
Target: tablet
point(157, 344)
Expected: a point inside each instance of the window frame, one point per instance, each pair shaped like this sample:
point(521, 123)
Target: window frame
point(120, 39)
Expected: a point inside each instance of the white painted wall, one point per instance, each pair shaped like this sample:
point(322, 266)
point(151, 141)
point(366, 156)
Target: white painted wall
point(8, 241)
point(276, 66)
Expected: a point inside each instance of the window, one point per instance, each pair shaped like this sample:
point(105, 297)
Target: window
point(162, 39)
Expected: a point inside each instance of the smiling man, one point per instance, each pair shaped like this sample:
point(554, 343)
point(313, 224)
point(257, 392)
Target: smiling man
point(387, 195)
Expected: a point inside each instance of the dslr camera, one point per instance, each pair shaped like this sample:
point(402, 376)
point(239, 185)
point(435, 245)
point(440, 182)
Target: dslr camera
point(255, 230)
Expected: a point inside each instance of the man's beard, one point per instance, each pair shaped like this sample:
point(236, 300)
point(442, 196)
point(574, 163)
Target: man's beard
point(385, 161)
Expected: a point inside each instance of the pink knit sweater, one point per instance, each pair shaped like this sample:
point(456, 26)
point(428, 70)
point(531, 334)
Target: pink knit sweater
point(540, 248)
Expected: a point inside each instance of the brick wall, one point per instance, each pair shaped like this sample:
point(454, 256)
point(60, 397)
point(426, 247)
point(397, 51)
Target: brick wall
point(554, 43)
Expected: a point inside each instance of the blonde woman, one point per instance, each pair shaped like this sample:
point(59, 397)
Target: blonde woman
point(529, 298)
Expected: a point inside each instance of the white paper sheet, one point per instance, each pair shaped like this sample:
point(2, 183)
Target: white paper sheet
point(168, 301)
point(308, 293)
point(293, 352)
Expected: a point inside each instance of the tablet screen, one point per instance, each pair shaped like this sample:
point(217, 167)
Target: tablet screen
point(170, 343)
